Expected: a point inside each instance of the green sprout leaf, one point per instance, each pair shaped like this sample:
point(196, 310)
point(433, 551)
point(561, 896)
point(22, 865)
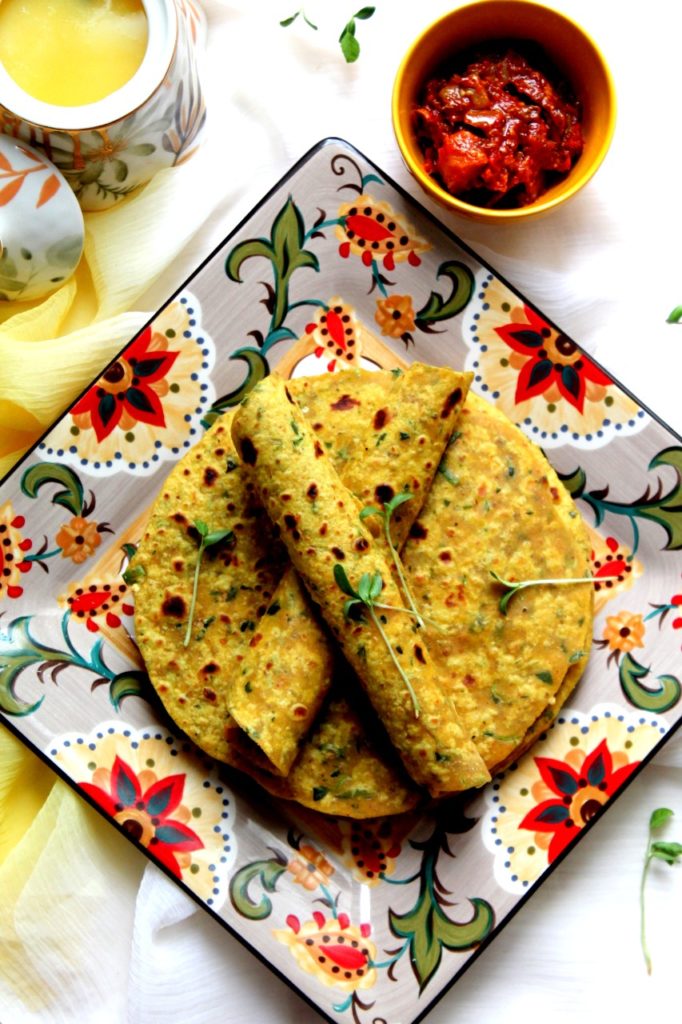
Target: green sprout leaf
point(349, 605)
point(364, 587)
point(370, 510)
point(343, 583)
point(376, 586)
point(350, 47)
point(134, 574)
point(369, 588)
point(208, 539)
point(657, 849)
point(675, 317)
point(659, 817)
point(396, 501)
point(669, 852)
point(289, 21)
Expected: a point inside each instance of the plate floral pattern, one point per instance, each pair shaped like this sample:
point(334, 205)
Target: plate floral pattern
point(337, 268)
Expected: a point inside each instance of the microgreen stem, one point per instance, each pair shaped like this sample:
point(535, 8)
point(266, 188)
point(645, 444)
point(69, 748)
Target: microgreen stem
point(409, 611)
point(386, 514)
point(403, 676)
point(195, 588)
point(399, 569)
point(512, 588)
point(207, 540)
point(671, 853)
point(642, 910)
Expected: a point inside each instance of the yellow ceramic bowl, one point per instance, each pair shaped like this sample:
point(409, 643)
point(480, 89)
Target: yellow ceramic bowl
point(569, 48)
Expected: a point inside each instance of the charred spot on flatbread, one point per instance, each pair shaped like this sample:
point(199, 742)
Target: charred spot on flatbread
point(453, 399)
point(342, 404)
point(384, 493)
point(174, 607)
point(248, 451)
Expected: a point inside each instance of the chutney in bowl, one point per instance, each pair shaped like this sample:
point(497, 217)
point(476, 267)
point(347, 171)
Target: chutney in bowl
point(503, 109)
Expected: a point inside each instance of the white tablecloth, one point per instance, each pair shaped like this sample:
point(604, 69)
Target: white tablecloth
point(606, 267)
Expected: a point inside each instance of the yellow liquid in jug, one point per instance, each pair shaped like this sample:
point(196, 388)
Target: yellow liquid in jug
point(70, 52)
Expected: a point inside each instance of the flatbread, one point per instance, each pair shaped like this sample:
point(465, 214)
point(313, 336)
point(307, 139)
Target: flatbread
point(237, 580)
point(344, 767)
point(319, 521)
point(209, 485)
point(384, 433)
point(497, 505)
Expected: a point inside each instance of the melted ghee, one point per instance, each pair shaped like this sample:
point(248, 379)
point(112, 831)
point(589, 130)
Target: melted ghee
point(70, 52)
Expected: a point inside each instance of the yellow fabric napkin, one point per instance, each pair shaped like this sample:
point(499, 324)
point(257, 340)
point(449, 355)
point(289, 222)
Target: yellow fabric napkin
point(63, 871)
point(49, 351)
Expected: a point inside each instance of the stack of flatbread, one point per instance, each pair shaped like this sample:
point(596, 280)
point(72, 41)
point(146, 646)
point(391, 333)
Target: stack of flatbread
point(362, 708)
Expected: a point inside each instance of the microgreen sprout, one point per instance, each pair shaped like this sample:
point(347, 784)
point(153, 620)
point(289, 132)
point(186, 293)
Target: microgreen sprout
point(656, 850)
point(512, 587)
point(350, 47)
point(207, 540)
point(289, 21)
point(386, 512)
point(133, 574)
point(369, 589)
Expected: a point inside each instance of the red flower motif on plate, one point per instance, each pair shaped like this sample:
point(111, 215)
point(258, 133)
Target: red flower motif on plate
point(372, 230)
point(12, 550)
point(675, 602)
point(100, 603)
point(337, 952)
point(372, 847)
point(130, 391)
point(549, 362)
point(578, 795)
point(145, 812)
point(334, 333)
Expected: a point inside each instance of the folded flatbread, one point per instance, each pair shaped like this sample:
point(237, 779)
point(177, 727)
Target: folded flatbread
point(384, 433)
point(318, 519)
point(497, 505)
point(237, 580)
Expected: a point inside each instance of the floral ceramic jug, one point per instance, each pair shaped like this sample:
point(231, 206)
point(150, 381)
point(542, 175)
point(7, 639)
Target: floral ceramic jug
point(41, 224)
point(106, 149)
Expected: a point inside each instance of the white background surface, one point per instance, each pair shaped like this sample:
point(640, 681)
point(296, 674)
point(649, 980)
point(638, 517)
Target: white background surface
point(607, 269)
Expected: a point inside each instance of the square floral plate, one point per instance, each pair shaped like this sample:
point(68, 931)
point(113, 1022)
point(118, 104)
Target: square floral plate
point(336, 267)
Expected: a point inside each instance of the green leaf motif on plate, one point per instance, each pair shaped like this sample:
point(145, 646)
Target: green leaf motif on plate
point(664, 697)
point(257, 370)
point(131, 683)
point(71, 497)
point(436, 307)
point(427, 928)
point(660, 506)
point(284, 250)
point(18, 651)
point(269, 872)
